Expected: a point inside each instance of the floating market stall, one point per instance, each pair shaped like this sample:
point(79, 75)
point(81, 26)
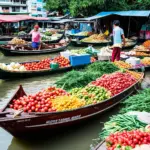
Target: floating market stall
point(18, 47)
point(77, 105)
point(132, 120)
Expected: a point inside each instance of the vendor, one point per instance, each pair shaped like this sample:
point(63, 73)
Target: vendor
point(118, 35)
point(36, 37)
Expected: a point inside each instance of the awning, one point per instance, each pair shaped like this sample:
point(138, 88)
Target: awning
point(132, 13)
point(17, 18)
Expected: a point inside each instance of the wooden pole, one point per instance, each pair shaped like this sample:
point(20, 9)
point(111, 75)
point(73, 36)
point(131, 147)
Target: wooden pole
point(129, 27)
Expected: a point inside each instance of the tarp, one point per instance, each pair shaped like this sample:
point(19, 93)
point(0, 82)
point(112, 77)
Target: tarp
point(17, 18)
point(132, 13)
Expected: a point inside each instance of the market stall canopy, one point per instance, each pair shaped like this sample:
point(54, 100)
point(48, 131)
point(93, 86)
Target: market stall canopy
point(61, 21)
point(17, 18)
point(132, 13)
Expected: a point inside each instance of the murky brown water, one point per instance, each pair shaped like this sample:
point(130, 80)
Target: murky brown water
point(78, 138)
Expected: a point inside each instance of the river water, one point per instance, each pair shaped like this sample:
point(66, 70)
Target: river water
point(77, 138)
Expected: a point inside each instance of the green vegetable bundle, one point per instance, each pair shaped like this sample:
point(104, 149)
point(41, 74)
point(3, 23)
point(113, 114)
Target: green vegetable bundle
point(91, 94)
point(139, 102)
point(120, 123)
point(75, 79)
point(103, 67)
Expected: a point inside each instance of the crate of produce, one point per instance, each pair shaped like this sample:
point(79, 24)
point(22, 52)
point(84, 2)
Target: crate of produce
point(80, 60)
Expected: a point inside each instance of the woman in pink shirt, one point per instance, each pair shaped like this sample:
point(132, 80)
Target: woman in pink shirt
point(36, 37)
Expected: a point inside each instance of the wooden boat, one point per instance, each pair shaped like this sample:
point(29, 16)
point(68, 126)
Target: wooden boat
point(75, 42)
point(28, 38)
point(30, 124)
point(6, 50)
point(7, 74)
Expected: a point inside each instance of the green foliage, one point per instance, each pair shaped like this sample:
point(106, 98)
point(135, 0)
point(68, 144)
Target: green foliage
point(92, 7)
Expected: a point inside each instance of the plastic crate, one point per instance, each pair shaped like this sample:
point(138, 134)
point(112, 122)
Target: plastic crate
point(79, 60)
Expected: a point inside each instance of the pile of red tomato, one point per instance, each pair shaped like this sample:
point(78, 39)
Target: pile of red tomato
point(40, 102)
point(128, 138)
point(62, 61)
point(45, 63)
point(116, 82)
point(93, 59)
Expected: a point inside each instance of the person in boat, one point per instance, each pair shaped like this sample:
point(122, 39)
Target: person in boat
point(118, 35)
point(36, 37)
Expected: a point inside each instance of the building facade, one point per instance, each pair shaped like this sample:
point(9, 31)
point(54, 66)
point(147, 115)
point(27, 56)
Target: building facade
point(36, 8)
point(13, 7)
point(32, 7)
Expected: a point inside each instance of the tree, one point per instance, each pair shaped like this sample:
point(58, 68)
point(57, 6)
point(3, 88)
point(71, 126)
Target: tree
point(92, 7)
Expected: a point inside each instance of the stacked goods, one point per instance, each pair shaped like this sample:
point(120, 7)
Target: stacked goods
point(146, 61)
point(139, 102)
point(47, 33)
point(45, 64)
point(85, 33)
point(138, 54)
point(17, 41)
point(147, 44)
point(79, 51)
point(91, 94)
point(103, 67)
point(21, 33)
point(116, 82)
point(120, 123)
point(95, 38)
point(40, 102)
point(129, 140)
point(63, 103)
point(122, 64)
point(75, 79)
point(134, 74)
point(140, 48)
point(62, 61)
point(12, 67)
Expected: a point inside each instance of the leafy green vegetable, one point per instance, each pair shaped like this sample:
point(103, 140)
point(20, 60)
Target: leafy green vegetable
point(139, 102)
point(103, 67)
point(120, 123)
point(76, 79)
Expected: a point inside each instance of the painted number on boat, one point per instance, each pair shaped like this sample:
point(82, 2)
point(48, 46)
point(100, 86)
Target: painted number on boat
point(62, 120)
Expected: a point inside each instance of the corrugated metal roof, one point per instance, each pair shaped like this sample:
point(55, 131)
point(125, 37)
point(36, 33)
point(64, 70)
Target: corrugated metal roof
point(132, 13)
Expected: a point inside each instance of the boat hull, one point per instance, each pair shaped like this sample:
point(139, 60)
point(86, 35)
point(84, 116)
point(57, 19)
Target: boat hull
point(35, 122)
point(8, 52)
point(5, 74)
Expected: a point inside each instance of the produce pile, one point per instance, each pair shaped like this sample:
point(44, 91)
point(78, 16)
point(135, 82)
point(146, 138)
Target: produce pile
point(146, 44)
point(21, 33)
point(95, 38)
point(129, 140)
point(91, 94)
point(40, 102)
point(63, 103)
point(85, 33)
point(48, 33)
point(12, 67)
point(45, 63)
point(130, 42)
point(116, 82)
point(141, 48)
point(122, 64)
point(75, 79)
point(17, 41)
point(48, 36)
point(138, 54)
point(119, 123)
point(139, 102)
point(62, 61)
point(84, 51)
point(146, 61)
point(136, 75)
